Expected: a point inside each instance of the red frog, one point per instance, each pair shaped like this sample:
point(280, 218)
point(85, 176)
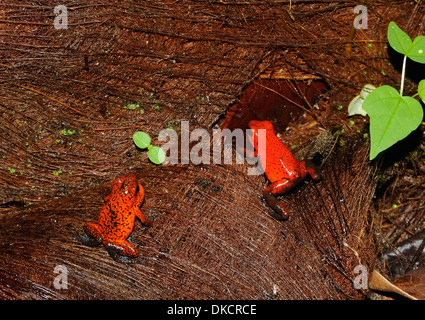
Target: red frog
point(281, 168)
point(116, 219)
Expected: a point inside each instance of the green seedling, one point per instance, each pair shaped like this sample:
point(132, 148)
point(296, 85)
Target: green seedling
point(132, 106)
point(394, 116)
point(143, 141)
point(58, 172)
point(67, 132)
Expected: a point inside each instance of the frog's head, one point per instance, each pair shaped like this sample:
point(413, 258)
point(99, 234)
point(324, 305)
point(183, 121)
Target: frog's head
point(127, 185)
point(255, 126)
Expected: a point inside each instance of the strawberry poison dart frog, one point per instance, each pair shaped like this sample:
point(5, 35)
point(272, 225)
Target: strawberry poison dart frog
point(281, 168)
point(116, 219)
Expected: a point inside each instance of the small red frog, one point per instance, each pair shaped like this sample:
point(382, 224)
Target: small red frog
point(116, 219)
point(281, 168)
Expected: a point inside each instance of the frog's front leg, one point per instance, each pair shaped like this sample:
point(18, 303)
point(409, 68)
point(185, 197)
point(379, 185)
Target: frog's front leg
point(136, 207)
point(122, 251)
point(276, 188)
point(142, 218)
point(107, 198)
point(309, 167)
point(140, 196)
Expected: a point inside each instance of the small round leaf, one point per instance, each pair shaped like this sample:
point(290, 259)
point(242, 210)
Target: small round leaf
point(156, 155)
point(141, 139)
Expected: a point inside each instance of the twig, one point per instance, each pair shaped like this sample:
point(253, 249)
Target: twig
point(51, 98)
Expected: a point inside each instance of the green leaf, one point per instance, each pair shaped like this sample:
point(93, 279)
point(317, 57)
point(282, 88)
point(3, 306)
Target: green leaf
point(141, 139)
point(398, 39)
point(421, 90)
point(402, 43)
point(156, 155)
point(417, 50)
point(392, 117)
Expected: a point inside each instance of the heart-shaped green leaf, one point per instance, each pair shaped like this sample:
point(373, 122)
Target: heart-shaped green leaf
point(417, 50)
point(402, 43)
point(392, 117)
point(398, 39)
point(421, 90)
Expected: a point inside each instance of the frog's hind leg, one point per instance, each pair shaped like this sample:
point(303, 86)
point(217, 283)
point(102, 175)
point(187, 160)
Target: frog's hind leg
point(122, 251)
point(279, 211)
point(91, 236)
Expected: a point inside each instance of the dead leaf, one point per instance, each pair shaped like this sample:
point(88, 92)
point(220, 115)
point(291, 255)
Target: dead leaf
point(411, 285)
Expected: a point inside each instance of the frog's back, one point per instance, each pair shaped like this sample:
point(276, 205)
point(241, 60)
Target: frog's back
point(116, 218)
point(280, 163)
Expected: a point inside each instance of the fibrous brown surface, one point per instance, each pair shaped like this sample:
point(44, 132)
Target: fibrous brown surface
point(65, 134)
point(210, 240)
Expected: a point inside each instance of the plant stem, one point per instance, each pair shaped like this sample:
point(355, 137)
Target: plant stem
point(403, 71)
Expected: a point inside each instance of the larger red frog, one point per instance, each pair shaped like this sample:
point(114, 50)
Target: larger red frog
point(116, 219)
point(280, 166)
